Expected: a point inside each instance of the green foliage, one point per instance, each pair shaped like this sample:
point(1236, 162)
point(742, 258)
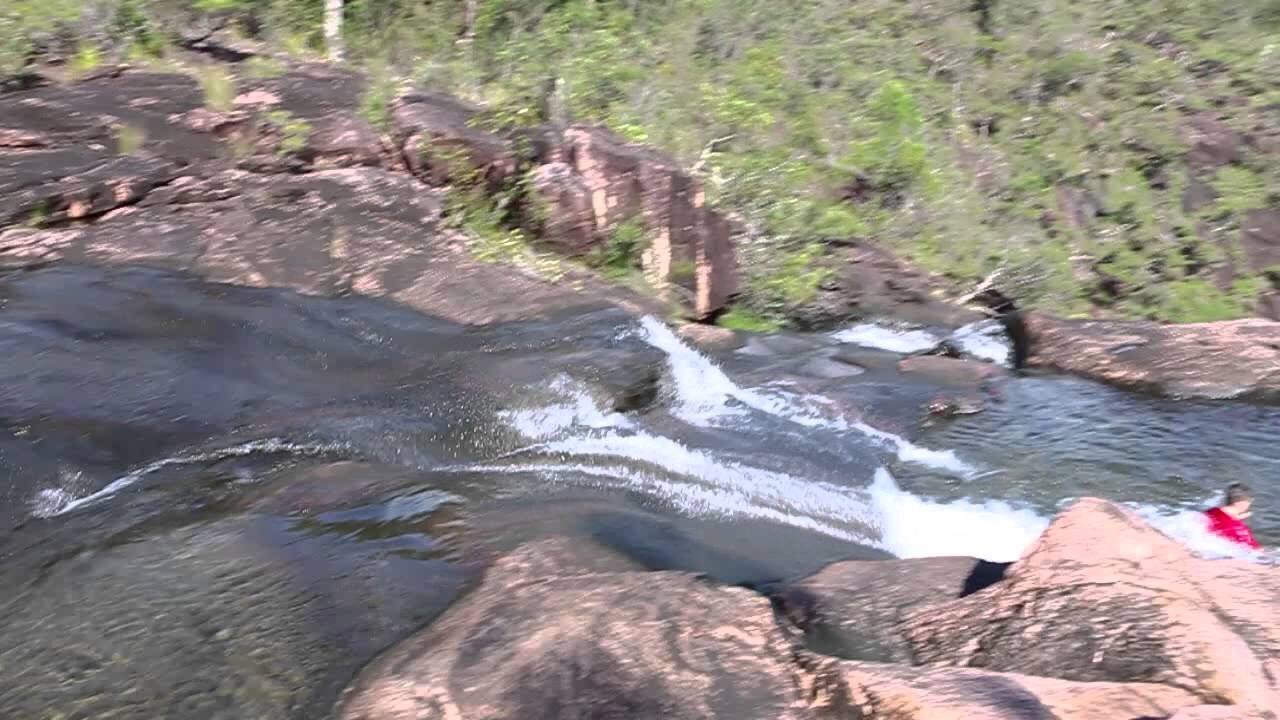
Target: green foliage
point(86, 60)
point(1239, 189)
point(796, 278)
point(620, 255)
point(1197, 300)
point(838, 221)
point(747, 321)
point(26, 23)
point(487, 218)
point(379, 93)
point(219, 89)
point(895, 153)
point(294, 132)
point(130, 139)
point(40, 214)
point(952, 136)
point(261, 67)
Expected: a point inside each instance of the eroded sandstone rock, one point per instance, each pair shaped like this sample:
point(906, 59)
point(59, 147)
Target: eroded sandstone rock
point(551, 635)
point(1235, 359)
point(851, 609)
point(898, 691)
point(1102, 596)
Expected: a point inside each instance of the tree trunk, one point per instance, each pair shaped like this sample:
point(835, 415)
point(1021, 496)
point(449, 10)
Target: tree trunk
point(333, 30)
point(469, 19)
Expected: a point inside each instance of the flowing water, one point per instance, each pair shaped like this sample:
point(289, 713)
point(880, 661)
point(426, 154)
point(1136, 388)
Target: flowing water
point(289, 484)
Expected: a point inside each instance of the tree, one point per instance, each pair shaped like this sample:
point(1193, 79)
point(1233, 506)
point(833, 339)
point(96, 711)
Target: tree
point(333, 30)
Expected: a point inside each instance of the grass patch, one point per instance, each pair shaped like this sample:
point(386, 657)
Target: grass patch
point(40, 214)
point(294, 132)
point(747, 321)
point(620, 255)
point(1196, 300)
point(130, 139)
point(86, 59)
point(219, 89)
point(381, 91)
point(797, 278)
point(262, 67)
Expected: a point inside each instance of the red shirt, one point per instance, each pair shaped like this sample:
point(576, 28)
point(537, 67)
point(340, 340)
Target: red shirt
point(1225, 526)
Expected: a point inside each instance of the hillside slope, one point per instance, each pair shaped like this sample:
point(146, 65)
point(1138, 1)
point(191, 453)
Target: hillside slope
point(1097, 157)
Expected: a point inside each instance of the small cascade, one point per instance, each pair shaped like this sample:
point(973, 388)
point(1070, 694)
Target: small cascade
point(56, 501)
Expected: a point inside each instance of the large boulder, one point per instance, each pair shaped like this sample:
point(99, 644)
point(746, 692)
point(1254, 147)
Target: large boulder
point(564, 628)
point(342, 140)
point(441, 140)
point(558, 630)
point(690, 246)
point(1234, 359)
point(331, 232)
point(900, 692)
point(851, 609)
point(1103, 597)
point(563, 217)
point(871, 282)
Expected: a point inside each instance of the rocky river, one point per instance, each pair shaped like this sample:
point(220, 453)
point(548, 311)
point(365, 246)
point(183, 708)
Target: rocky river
point(274, 443)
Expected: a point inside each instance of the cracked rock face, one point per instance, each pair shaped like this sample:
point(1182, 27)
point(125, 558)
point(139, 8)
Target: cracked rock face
point(1235, 359)
point(549, 635)
point(1104, 597)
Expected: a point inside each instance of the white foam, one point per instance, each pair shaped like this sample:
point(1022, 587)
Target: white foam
point(994, 530)
point(704, 394)
point(268, 445)
point(985, 340)
point(702, 389)
point(690, 498)
point(754, 486)
point(912, 526)
point(1191, 528)
point(51, 501)
point(886, 338)
point(578, 411)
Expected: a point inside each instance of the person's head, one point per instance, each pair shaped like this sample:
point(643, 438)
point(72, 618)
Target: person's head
point(1239, 500)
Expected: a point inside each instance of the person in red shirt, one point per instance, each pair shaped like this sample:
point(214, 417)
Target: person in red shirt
point(1227, 521)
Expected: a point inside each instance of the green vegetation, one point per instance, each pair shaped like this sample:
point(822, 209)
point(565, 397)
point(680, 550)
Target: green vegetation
point(488, 217)
point(130, 139)
point(620, 256)
point(375, 103)
point(219, 89)
point(747, 321)
point(1047, 140)
point(1197, 300)
point(293, 131)
point(86, 60)
point(263, 68)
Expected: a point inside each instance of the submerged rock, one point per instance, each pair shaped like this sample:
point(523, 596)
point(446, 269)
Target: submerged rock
point(1235, 359)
